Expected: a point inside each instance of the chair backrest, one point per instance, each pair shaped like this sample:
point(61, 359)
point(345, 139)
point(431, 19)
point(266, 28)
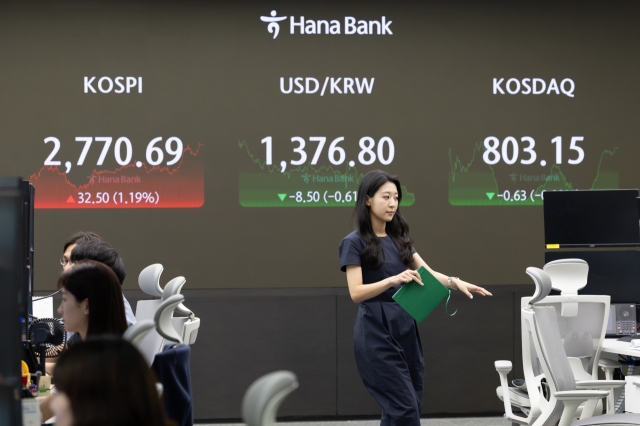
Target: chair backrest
point(568, 275)
point(152, 343)
point(552, 350)
point(553, 359)
point(581, 335)
point(263, 398)
point(583, 327)
point(137, 332)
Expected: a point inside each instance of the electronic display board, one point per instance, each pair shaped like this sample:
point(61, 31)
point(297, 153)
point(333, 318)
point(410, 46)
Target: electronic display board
point(218, 137)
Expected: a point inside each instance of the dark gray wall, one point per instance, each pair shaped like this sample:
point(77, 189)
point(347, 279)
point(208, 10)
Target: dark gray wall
point(247, 333)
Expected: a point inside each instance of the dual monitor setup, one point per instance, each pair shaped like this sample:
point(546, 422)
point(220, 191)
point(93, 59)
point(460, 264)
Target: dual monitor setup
point(602, 227)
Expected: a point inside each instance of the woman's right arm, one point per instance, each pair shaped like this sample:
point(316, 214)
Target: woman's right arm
point(360, 292)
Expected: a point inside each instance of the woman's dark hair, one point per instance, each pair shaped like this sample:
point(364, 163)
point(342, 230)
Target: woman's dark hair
point(100, 252)
point(397, 229)
point(97, 283)
point(109, 383)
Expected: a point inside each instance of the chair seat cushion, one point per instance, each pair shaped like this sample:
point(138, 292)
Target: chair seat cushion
point(517, 396)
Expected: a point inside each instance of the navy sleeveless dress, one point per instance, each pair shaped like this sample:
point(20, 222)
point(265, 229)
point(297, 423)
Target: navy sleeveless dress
point(387, 345)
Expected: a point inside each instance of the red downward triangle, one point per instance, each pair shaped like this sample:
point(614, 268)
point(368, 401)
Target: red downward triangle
point(71, 200)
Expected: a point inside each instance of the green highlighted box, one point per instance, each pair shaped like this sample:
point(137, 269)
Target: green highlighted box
point(310, 189)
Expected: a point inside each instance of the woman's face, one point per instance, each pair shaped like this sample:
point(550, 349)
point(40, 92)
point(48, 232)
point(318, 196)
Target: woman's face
point(74, 314)
point(61, 407)
point(384, 203)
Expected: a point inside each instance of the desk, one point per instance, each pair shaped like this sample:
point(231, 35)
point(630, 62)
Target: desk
point(611, 348)
point(614, 347)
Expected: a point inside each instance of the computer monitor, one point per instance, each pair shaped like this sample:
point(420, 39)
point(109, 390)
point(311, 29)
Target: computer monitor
point(596, 218)
point(12, 303)
point(615, 273)
point(28, 196)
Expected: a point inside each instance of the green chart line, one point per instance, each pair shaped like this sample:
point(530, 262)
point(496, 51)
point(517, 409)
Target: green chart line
point(301, 186)
point(467, 188)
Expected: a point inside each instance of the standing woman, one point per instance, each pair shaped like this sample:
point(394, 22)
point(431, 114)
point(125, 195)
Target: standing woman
point(378, 258)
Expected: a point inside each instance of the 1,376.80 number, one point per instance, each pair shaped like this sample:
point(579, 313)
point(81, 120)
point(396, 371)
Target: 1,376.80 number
point(336, 154)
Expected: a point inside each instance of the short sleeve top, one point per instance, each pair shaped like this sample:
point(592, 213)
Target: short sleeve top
point(351, 248)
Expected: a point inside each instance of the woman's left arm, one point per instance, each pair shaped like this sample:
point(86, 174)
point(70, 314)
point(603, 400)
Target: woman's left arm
point(456, 283)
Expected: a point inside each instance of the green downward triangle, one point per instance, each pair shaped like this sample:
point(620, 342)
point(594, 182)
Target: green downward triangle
point(282, 196)
point(490, 194)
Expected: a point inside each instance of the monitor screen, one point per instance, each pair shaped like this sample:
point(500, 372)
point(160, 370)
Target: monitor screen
point(591, 218)
point(214, 138)
point(28, 197)
point(612, 273)
point(11, 303)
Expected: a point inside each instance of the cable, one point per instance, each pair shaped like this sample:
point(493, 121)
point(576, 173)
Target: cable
point(35, 299)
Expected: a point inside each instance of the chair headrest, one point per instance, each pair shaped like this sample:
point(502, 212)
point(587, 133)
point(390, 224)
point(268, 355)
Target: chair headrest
point(163, 316)
point(149, 280)
point(174, 287)
point(568, 275)
point(263, 398)
point(138, 331)
point(543, 284)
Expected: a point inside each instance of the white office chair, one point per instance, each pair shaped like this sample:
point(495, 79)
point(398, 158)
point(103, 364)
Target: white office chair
point(570, 276)
point(149, 282)
point(263, 398)
point(583, 327)
point(565, 393)
point(163, 317)
point(187, 326)
point(137, 332)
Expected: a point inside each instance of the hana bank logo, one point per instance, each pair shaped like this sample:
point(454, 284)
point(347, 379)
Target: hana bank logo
point(273, 27)
point(350, 25)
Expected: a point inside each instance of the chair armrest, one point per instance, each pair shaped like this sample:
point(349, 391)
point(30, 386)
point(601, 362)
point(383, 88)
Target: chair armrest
point(503, 368)
point(572, 400)
point(600, 384)
point(580, 395)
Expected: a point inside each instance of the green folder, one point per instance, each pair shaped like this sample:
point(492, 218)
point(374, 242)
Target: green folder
point(420, 300)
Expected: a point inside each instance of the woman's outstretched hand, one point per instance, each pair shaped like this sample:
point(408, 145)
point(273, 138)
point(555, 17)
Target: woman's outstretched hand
point(468, 288)
point(406, 277)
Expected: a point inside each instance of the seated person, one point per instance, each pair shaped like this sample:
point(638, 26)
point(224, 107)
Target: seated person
point(95, 248)
point(91, 305)
point(91, 300)
point(105, 381)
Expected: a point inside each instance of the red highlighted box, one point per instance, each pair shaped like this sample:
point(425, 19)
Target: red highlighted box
point(129, 187)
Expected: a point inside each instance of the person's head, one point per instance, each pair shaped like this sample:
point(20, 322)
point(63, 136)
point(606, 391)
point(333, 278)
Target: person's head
point(378, 202)
point(100, 252)
point(105, 381)
point(91, 300)
point(71, 243)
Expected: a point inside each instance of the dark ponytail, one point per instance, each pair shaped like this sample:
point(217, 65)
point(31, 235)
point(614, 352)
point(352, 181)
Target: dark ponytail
point(397, 229)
